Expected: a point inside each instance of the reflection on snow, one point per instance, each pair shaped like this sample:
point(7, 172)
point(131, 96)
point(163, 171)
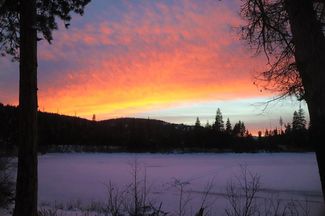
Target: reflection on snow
point(82, 176)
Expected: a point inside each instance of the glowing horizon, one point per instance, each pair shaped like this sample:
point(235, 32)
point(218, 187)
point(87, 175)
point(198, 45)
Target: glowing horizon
point(145, 58)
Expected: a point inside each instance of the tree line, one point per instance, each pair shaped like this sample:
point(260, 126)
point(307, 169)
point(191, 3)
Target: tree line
point(67, 133)
point(294, 135)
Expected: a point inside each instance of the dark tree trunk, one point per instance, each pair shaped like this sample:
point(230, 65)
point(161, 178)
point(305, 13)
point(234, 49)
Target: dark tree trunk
point(309, 43)
point(26, 188)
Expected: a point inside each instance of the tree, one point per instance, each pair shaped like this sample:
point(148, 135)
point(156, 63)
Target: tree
point(295, 121)
point(228, 127)
point(197, 123)
point(207, 125)
point(266, 133)
point(291, 35)
point(302, 118)
point(259, 134)
point(298, 120)
point(275, 132)
point(219, 124)
point(288, 128)
point(239, 129)
point(20, 23)
point(281, 125)
point(94, 117)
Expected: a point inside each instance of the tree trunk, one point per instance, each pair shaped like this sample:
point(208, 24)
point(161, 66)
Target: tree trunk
point(26, 187)
point(309, 43)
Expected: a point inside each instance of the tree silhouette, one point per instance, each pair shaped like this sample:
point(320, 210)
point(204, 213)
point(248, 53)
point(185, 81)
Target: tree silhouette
point(259, 134)
point(219, 124)
point(281, 124)
point(288, 128)
point(207, 125)
point(239, 129)
point(291, 35)
point(228, 127)
point(298, 120)
point(197, 123)
point(20, 23)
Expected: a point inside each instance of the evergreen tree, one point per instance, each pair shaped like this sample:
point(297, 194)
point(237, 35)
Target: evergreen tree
point(281, 124)
point(239, 129)
point(275, 132)
point(302, 118)
point(298, 120)
point(197, 122)
point(228, 127)
point(207, 125)
point(259, 134)
point(219, 124)
point(242, 129)
point(287, 128)
point(295, 121)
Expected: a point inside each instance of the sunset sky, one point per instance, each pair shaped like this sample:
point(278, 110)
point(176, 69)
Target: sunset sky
point(165, 59)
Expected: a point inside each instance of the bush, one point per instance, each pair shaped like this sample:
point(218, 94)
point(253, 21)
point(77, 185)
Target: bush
point(6, 184)
point(243, 199)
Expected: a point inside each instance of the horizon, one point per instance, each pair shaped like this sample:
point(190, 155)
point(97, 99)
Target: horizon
point(190, 124)
point(167, 60)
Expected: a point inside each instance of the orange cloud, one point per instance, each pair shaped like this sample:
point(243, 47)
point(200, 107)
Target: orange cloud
point(154, 55)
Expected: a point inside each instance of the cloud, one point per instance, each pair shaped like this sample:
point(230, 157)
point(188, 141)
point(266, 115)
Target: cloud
point(132, 56)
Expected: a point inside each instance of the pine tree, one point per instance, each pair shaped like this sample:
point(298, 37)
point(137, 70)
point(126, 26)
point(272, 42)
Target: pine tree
point(197, 122)
point(242, 129)
point(302, 118)
point(228, 127)
point(219, 124)
point(259, 134)
point(281, 124)
point(239, 129)
point(298, 120)
point(295, 121)
point(287, 128)
point(207, 125)
point(275, 132)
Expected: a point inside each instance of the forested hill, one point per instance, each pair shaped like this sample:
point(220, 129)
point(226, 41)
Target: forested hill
point(134, 135)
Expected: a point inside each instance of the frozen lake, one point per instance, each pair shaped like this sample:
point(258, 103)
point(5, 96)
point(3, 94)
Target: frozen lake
point(81, 177)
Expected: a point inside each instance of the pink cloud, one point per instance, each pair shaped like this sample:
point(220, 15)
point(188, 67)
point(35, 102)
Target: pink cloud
point(156, 54)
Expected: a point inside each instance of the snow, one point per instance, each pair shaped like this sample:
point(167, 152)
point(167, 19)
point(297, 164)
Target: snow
point(81, 177)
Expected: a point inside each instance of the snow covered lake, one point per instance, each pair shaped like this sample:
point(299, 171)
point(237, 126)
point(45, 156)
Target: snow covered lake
point(81, 177)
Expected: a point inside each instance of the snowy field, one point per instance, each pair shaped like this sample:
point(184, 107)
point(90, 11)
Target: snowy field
point(80, 178)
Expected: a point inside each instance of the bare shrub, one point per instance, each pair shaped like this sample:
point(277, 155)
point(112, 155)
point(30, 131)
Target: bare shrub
point(241, 194)
point(6, 183)
point(48, 212)
point(206, 200)
point(134, 199)
point(243, 200)
point(137, 202)
point(184, 197)
point(114, 203)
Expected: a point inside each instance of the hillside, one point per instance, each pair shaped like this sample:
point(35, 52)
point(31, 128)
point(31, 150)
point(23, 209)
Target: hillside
point(66, 133)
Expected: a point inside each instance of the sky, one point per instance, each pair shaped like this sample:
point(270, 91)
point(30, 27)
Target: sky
point(173, 60)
